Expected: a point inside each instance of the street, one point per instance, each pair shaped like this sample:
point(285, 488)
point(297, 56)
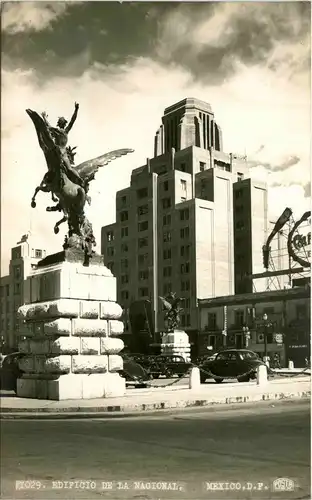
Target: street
point(249, 446)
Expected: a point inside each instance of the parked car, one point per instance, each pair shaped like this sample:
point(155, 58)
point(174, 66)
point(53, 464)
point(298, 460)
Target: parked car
point(134, 373)
point(145, 360)
point(10, 371)
point(231, 363)
point(169, 365)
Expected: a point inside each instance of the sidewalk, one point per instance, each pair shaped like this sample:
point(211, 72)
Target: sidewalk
point(138, 401)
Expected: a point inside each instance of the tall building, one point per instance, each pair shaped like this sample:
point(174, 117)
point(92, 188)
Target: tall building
point(174, 228)
point(23, 257)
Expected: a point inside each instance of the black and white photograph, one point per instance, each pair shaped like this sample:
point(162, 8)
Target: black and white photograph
point(155, 306)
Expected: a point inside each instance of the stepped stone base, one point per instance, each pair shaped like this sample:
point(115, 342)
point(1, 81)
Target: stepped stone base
point(71, 325)
point(176, 342)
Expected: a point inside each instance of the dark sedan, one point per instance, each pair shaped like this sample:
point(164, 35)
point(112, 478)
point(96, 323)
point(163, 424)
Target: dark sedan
point(10, 371)
point(169, 365)
point(232, 363)
point(134, 373)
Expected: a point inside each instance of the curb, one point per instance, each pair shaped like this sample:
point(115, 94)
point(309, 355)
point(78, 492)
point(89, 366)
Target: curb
point(127, 411)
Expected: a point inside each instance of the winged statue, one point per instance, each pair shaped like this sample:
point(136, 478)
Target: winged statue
point(171, 304)
point(68, 183)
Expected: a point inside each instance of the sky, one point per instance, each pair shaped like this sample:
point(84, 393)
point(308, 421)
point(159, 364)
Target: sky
point(124, 63)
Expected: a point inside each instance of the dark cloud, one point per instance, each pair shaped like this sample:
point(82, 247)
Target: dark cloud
point(250, 34)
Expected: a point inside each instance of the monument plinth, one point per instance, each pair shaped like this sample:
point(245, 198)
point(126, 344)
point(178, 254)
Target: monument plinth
point(174, 340)
point(72, 324)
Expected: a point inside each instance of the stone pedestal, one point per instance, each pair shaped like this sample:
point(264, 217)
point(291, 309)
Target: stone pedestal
point(176, 342)
point(71, 322)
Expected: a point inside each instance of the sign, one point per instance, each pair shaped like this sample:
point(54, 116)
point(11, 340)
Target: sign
point(298, 243)
point(278, 337)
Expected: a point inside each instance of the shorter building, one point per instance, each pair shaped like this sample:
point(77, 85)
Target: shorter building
point(24, 256)
point(279, 318)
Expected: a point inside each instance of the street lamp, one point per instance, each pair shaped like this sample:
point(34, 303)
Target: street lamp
point(265, 325)
point(246, 333)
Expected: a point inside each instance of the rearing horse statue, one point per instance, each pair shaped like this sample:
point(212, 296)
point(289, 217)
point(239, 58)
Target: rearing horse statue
point(67, 183)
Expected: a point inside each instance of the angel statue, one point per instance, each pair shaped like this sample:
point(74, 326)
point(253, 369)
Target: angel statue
point(67, 183)
point(173, 310)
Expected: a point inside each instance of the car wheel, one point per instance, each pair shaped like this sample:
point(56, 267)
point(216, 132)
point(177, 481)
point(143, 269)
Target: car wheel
point(218, 380)
point(155, 375)
point(202, 379)
point(169, 373)
point(246, 378)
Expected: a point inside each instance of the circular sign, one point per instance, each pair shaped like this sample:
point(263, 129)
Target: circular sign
point(299, 243)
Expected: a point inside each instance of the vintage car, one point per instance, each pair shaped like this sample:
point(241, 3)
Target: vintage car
point(231, 363)
point(169, 365)
point(10, 371)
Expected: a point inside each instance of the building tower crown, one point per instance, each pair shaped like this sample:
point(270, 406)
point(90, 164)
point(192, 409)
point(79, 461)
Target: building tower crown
point(189, 122)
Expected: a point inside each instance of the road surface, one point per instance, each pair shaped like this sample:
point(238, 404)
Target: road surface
point(247, 446)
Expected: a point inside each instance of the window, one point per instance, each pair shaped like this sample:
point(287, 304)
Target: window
point(38, 254)
point(188, 320)
point(185, 251)
point(123, 200)
point(17, 288)
point(167, 253)
point(185, 303)
point(212, 321)
point(183, 184)
point(183, 167)
point(124, 247)
point(17, 272)
point(124, 294)
point(143, 275)
point(184, 232)
point(301, 311)
point(143, 209)
point(238, 193)
point(202, 166)
point(185, 285)
point(142, 193)
point(110, 235)
point(240, 176)
point(124, 215)
point(124, 264)
point(110, 251)
point(143, 242)
point(167, 220)
point(167, 236)
point(166, 202)
point(185, 268)
point(124, 279)
point(124, 231)
point(166, 186)
point(143, 292)
point(239, 318)
point(240, 225)
point(142, 259)
point(143, 226)
point(184, 214)
point(167, 271)
point(167, 288)
point(7, 287)
point(110, 266)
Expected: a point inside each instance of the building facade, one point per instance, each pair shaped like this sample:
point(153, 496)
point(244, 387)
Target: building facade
point(175, 224)
point(23, 257)
point(282, 315)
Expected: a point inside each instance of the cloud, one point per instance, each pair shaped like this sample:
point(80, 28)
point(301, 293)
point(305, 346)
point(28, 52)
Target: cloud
point(31, 16)
point(307, 190)
point(214, 38)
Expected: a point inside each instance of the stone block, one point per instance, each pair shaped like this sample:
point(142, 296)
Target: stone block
point(26, 388)
point(27, 364)
point(114, 385)
point(58, 364)
point(116, 327)
point(39, 364)
point(61, 308)
point(24, 346)
point(41, 388)
point(90, 345)
point(89, 309)
point(61, 326)
point(194, 379)
point(115, 363)
point(110, 310)
point(90, 327)
point(89, 364)
point(39, 346)
point(65, 387)
point(111, 345)
point(65, 345)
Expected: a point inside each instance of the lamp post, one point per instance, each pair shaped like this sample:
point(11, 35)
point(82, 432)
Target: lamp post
point(265, 325)
point(246, 333)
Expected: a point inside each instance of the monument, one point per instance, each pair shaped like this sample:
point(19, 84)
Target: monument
point(174, 341)
point(71, 317)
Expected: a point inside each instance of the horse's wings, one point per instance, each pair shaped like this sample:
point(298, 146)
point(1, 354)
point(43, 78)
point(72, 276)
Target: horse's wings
point(87, 169)
point(165, 303)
